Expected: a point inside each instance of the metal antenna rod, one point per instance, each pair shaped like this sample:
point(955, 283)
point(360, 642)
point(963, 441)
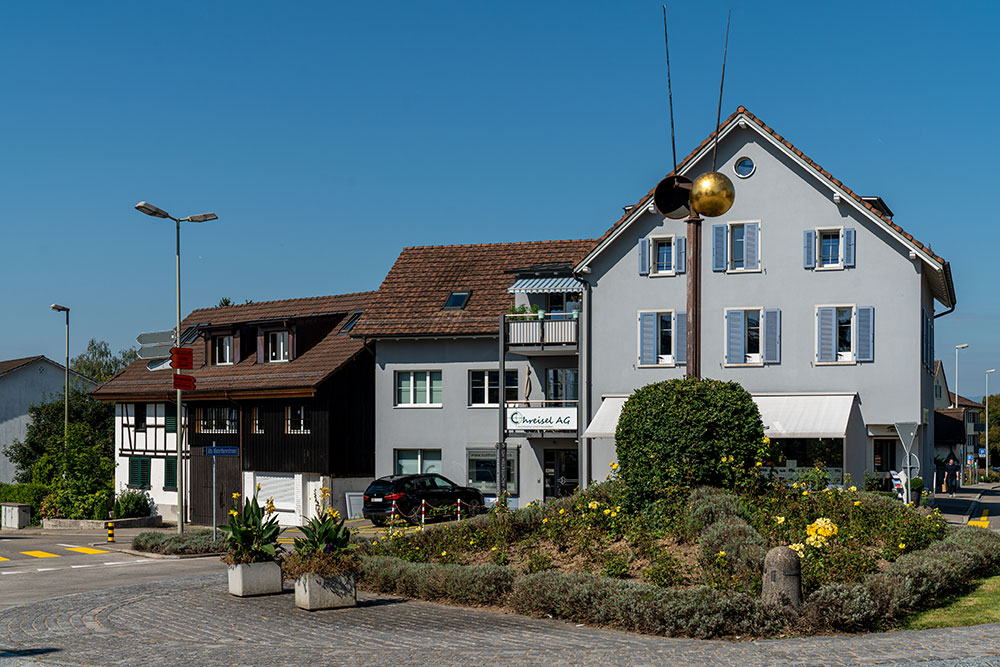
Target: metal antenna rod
point(670, 94)
point(718, 117)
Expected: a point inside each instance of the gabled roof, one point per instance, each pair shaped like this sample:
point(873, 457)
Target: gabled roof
point(12, 365)
point(942, 284)
point(301, 376)
point(964, 402)
point(411, 299)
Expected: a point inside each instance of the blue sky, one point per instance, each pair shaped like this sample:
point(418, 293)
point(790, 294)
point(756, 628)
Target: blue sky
point(327, 136)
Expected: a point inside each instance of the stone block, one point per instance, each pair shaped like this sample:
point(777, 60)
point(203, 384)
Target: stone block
point(254, 579)
point(314, 592)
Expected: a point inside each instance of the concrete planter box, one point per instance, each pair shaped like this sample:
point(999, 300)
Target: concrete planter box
point(88, 524)
point(254, 579)
point(314, 592)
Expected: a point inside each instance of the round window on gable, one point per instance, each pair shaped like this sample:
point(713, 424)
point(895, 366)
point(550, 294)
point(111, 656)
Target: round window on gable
point(744, 167)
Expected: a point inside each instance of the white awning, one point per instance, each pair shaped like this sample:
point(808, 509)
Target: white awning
point(606, 420)
point(805, 415)
point(784, 416)
point(545, 285)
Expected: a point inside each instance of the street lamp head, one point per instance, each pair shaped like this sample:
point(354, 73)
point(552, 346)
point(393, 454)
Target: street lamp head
point(149, 209)
point(962, 346)
point(202, 217)
point(992, 370)
point(61, 309)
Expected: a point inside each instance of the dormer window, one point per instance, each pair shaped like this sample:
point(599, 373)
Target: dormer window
point(352, 319)
point(457, 300)
point(277, 346)
point(222, 350)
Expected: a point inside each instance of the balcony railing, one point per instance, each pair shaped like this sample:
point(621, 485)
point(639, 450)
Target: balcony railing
point(559, 329)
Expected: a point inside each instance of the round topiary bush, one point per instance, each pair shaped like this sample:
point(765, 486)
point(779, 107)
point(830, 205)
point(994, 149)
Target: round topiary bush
point(686, 433)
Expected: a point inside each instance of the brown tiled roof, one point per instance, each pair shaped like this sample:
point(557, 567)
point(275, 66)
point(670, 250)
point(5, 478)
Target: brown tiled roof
point(13, 364)
point(964, 402)
point(742, 111)
point(299, 376)
point(411, 298)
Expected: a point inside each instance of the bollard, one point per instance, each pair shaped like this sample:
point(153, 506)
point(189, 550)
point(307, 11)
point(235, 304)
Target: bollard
point(423, 504)
point(459, 509)
point(111, 531)
point(392, 517)
point(783, 577)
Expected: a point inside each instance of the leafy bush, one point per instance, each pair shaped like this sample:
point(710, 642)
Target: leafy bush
point(840, 608)
point(537, 562)
point(731, 555)
point(131, 503)
point(616, 567)
point(708, 505)
point(687, 433)
point(189, 542)
point(665, 571)
point(473, 585)
point(29, 494)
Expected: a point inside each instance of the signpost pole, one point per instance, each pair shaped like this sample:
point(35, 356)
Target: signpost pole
point(907, 431)
point(501, 474)
point(214, 504)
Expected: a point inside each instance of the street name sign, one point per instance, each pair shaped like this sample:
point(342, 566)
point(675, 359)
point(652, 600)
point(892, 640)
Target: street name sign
point(160, 351)
point(223, 450)
point(155, 337)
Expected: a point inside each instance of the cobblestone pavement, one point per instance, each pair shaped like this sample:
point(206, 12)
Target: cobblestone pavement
point(195, 621)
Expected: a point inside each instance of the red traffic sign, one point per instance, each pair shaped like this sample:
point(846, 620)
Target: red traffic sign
point(181, 357)
point(183, 382)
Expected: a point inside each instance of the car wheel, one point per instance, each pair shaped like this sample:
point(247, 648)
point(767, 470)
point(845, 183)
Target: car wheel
point(378, 521)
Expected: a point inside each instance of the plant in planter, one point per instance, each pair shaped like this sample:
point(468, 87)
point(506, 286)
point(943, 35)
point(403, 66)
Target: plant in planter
point(323, 564)
point(916, 489)
point(251, 538)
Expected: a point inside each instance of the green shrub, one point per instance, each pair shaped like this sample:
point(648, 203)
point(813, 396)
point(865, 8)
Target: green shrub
point(708, 505)
point(816, 478)
point(616, 566)
point(190, 542)
point(731, 555)
point(131, 503)
point(683, 433)
point(537, 562)
point(664, 571)
point(840, 608)
point(29, 494)
point(473, 585)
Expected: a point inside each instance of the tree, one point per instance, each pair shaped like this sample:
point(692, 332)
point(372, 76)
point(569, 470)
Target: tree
point(99, 363)
point(687, 433)
point(223, 302)
point(41, 452)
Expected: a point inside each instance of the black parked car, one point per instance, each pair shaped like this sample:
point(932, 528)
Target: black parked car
point(408, 490)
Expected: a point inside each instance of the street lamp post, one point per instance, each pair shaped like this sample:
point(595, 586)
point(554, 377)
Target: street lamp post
point(63, 309)
point(957, 348)
point(992, 370)
point(965, 447)
point(149, 209)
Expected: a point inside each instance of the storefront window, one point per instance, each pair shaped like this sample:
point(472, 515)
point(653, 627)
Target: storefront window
point(483, 470)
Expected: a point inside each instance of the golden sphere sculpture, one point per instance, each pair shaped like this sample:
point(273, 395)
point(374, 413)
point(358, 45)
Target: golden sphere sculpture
point(712, 194)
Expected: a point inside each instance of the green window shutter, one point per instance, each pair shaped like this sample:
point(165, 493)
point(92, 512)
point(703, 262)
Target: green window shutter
point(133, 471)
point(144, 474)
point(170, 473)
point(170, 418)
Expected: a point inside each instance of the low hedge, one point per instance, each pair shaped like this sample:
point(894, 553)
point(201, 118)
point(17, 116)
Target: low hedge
point(29, 494)
point(915, 581)
point(190, 542)
point(472, 585)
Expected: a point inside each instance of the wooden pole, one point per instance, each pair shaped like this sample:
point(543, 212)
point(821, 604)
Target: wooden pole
point(694, 295)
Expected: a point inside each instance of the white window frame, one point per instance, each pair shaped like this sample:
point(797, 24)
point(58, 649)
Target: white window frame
point(748, 359)
point(848, 358)
point(281, 337)
point(501, 389)
point(663, 360)
point(427, 379)
point(820, 266)
point(226, 347)
point(420, 459)
point(304, 428)
point(653, 242)
point(729, 246)
point(205, 416)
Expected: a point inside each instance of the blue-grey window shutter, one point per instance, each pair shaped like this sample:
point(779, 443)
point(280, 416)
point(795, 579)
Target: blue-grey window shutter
point(680, 338)
point(826, 331)
point(772, 336)
point(930, 348)
point(718, 247)
point(866, 333)
point(647, 338)
point(643, 257)
point(734, 337)
point(809, 249)
point(680, 254)
point(849, 246)
point(751, 236)
point(923, 337)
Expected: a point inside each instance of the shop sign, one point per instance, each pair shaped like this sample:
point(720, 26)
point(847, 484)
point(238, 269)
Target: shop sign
point(541, 419)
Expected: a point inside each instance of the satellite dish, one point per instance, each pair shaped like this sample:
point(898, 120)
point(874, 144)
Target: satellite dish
point(672, 197)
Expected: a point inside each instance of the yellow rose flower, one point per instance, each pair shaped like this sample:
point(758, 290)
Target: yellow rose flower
point(721, 554)
point(593, 504)
point(779, 519)
point(759, 463)
point(545, 520)
point(493, 549)
point(805, 493)
point(902, 545)
point(858, 502)
point(562, 511)
point(853, 489)
point(607, 511)
point(614, 514)
point(795, 485)
point(614, 466)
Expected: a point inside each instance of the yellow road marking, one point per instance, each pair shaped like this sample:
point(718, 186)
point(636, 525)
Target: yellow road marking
point(40, 554)
point(2, 558)
point(985, 514)
point(87, 550)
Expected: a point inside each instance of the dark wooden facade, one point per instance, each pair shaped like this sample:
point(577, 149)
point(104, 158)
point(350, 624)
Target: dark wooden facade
point(340, 418)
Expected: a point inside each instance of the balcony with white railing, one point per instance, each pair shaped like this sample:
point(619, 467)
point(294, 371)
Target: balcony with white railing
point(538, 333)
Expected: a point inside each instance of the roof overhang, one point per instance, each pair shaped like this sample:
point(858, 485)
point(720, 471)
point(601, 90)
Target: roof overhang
point(940, 279)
